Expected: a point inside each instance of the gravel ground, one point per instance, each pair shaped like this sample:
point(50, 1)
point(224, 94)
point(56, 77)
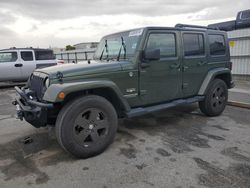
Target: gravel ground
point(173, 148)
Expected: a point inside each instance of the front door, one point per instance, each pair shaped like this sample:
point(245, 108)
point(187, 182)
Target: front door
point(10, 67)
point(160, 80)
point(194, 62)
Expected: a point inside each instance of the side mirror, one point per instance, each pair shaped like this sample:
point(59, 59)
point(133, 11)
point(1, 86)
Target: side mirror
point(152, 54)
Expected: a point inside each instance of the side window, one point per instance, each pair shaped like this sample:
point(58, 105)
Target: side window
point(217, 45)
point(44, 55)
point(193, 44)
point(166, 42)
point(245, 15)
point(8, 57)
point(27, 56)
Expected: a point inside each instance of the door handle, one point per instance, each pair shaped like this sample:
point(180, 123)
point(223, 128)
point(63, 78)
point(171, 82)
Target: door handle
point(201, 63)
point(175, 66)
point(19, 65)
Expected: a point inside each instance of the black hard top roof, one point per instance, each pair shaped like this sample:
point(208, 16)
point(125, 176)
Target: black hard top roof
point(179, 27)
point(184, 29)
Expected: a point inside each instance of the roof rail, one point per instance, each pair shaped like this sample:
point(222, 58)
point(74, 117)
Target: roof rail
point(194, 26)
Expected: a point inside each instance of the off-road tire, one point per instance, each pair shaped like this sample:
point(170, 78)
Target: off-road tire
point(82, 111)
point(215, 99)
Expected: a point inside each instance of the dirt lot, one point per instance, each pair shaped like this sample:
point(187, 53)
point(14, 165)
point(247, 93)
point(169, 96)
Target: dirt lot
point(173, 148)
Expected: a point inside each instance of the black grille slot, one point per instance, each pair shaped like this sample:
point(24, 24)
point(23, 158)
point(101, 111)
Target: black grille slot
point(37, 85)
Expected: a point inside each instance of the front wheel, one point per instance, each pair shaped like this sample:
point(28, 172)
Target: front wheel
point(86, 126)
point(216, 98)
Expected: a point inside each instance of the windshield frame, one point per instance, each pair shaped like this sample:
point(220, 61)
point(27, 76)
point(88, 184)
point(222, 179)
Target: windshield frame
point(119, 35)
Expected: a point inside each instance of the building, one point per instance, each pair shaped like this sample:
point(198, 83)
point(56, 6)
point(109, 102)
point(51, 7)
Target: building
point(240, 51)
point(86, 45)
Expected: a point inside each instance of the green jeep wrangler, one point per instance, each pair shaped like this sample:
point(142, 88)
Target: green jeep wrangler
point(132, 73)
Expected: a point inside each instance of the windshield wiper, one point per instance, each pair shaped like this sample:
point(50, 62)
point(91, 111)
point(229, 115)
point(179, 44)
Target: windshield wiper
point(107, 51)
point(124, 48)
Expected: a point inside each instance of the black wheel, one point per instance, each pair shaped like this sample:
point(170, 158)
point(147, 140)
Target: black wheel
point(86, 126)
point(215, 99)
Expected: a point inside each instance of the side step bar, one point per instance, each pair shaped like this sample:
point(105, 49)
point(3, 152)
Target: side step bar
point(142, 111)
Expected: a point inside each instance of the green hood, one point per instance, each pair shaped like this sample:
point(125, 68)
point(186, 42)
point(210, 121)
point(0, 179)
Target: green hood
point(82, 68)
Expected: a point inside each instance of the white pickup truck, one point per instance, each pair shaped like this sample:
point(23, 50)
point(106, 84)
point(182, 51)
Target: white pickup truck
point(16, 64)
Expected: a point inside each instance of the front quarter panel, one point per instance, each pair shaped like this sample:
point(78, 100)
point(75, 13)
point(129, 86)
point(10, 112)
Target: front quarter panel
point(51, 94)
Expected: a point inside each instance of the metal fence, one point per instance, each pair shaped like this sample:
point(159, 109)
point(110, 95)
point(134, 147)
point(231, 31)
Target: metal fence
point(74, 56)
point(240, 51)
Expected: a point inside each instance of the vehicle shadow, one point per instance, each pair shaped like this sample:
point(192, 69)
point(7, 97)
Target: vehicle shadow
point(19, 159)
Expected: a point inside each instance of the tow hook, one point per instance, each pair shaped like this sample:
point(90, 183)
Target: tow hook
point(19, 113)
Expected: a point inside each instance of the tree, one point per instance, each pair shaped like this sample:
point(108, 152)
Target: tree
point(69, 47)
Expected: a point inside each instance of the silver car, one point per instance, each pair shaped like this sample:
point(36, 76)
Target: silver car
point(16, 64)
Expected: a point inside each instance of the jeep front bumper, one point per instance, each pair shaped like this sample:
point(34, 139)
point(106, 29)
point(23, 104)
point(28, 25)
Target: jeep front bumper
point(28, 108)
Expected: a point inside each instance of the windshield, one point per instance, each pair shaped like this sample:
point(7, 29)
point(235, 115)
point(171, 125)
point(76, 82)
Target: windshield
point(121, 45)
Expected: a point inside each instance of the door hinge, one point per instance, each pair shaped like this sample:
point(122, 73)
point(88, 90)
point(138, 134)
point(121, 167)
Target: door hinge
point(184, 85)
point(143, 92)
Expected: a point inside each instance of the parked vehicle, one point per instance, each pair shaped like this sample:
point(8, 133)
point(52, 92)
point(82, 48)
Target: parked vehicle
point(133, 73)
point(242, 21)
point(16, 64)
point(59, 61)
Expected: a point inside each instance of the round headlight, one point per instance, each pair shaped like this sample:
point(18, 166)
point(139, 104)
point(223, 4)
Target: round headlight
point(47, 83)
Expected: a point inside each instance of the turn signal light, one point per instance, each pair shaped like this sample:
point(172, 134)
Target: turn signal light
point(61, 95)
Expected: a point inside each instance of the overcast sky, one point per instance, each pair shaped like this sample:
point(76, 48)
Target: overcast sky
point(56, 23)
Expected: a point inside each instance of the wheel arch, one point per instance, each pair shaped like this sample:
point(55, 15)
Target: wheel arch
point(226, 77)
point(218, 73)
point(106, 89)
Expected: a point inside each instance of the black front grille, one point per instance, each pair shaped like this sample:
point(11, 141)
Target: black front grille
point(37, 85)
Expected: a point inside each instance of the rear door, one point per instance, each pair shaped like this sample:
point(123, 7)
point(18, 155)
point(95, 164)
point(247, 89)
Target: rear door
point(219, 54)
point(161, 80)
point(28, 61)
point(10, 67)
point(194, 65)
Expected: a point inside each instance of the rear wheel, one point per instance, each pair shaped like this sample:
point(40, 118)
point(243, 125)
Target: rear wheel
point(86, 126)
point(216, 98)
